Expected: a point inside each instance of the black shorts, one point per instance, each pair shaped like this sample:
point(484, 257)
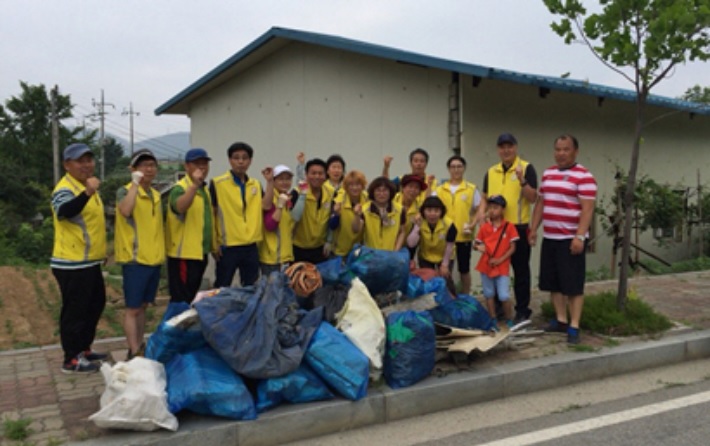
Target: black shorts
point(560, 271)
point(463, 257)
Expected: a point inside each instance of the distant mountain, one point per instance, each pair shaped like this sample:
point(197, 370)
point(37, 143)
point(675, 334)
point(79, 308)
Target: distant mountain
point(170, 146)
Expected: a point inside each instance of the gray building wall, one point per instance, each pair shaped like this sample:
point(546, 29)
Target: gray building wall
point(675, 146)
point(323, 101)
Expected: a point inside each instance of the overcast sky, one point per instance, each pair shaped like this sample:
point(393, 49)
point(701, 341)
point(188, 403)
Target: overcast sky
point(145, 52)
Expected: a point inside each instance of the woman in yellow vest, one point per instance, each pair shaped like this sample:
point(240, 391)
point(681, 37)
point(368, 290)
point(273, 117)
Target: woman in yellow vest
point(434, 234)
point(276, 248)
point(344, 213)
point(410, 197)
point(381, 220)
point(462, 200)
point(139, 245)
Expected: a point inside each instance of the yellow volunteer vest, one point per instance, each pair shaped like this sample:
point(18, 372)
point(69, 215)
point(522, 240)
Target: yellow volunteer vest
point(412, 211)
point(458, 205)
point(276, 247)
point(183, 232)
point(312, 229)
point(432, 244)
point(83, 237)
point(517, 209)
point(140, 238)
point(380, 234)
point(345, 238)
point(239, 221)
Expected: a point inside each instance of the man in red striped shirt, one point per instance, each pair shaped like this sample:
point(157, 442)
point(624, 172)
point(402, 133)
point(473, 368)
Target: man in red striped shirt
point(565, 208)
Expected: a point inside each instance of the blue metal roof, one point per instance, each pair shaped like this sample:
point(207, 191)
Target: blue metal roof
point(280, 36)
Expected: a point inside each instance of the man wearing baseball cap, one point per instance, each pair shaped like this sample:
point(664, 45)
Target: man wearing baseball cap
point(79, 249)
point(139, 245)
point(190, 234)
point(516, 181)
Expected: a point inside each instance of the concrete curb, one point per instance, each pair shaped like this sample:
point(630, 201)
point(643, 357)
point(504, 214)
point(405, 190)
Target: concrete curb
point(382, 405)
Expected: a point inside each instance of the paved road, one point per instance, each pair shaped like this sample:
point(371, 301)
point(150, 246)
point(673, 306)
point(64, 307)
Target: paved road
point(671, 416)
point(668, 406)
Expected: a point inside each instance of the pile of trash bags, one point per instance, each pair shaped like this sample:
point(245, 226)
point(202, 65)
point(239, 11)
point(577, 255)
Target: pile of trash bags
point(242, 351)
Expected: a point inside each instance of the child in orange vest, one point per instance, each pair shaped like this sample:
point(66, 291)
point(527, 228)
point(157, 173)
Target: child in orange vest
point(496, 240)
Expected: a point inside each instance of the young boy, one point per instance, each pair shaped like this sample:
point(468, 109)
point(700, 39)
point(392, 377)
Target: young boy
point(496, 240)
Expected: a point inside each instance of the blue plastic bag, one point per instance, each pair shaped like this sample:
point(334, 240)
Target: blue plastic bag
point(463, 312)
point(200, 381)
point(300, 386)
point(335, 272)
point(416, 286)
point(168, 341)
point(338, 362)
point(259, 331)
point(381, 271)
point(411, 348)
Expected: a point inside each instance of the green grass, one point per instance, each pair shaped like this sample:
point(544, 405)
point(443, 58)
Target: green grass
point(17, 429)
point(696, 264)
point(9, 327)
point(601, 316)
point(111, 316)
point(601, 273)
point(114, 270)
point(19, 345)
point(583, 348)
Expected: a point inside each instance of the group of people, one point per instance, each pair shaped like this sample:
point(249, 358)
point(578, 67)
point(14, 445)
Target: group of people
point(257, 229)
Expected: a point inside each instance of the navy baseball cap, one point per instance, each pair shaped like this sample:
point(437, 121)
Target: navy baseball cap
point(506, 138)
point(196, 154)
point(76, 151)
point(497, 199)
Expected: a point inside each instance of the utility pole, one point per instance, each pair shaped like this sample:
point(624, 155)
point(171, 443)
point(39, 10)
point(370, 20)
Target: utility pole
point(130, 114)
point(55, 133)
point(101, 106)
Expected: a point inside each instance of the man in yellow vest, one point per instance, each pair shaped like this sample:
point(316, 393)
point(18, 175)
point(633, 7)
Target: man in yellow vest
point(418, 162)
point(236, 200)
point(516, 180)
point(79, 249)
point(139, 245)
point(311, 230)
point(189, 234)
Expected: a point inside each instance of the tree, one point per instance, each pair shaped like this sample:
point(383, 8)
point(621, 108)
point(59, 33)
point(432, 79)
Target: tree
point(116, 160)
point(698, 94)
point(25, 133)
point(643, 41)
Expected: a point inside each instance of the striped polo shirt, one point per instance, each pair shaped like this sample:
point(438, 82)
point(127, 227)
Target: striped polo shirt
point(561, 191)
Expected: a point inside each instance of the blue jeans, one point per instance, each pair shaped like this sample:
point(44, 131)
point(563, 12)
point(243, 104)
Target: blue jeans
point(493, 286)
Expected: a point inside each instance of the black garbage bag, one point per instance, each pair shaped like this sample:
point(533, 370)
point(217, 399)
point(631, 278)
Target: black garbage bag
point(332, 298)
point(259, 331)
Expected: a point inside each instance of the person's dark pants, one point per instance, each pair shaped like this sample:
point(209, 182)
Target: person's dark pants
point(312, 255)
point(83, 300)
point(244, 258)
point(520, 261)
point(185, 278)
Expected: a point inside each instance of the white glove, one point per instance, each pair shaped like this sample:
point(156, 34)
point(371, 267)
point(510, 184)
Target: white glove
point(466, 228)
point(282, 200)
point(136, 176)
